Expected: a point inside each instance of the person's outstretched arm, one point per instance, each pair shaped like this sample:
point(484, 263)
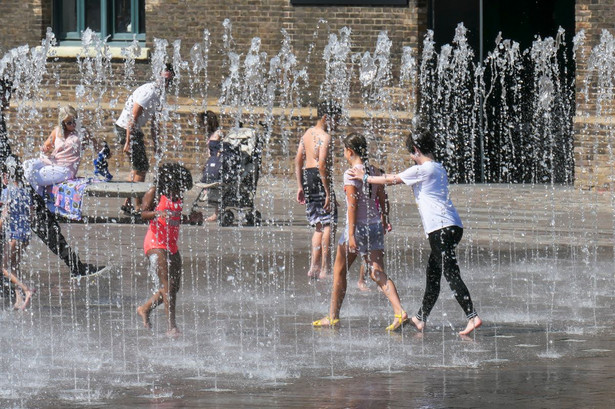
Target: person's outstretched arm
point(386, 179)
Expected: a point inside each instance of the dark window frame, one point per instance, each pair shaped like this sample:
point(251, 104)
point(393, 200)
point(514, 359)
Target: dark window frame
point(107, 22)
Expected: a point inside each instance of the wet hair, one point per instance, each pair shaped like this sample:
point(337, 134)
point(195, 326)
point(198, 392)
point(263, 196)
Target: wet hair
point(169, 67)
point(13, 168)
point(210, 120)
point(329, 108)
point(172, 179)
point(423, 140)
point(358, 144)
point(65, 112)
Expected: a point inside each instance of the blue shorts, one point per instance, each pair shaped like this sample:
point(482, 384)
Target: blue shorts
point(369, 237)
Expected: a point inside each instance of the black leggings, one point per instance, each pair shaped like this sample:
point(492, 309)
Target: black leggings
point(443, 260)
point(45, 225)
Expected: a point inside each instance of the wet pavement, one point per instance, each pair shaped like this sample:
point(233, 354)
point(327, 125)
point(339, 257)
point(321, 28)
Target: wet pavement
point(538, 261)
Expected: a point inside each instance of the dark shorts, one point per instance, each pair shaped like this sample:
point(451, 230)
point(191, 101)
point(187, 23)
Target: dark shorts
point(315, 199)
point(138, 156)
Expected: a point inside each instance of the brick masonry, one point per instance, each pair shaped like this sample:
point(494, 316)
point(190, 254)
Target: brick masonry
point(186, 20)
point(593, 148)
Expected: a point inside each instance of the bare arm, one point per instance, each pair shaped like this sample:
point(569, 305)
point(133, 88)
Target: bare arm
point(49, 143)
point(324, 165)
point(137, 111)
point(148, 204)
point(386, 179)
point(351, 196)
point(324, 162)
point(299, 158)
point(154, 132)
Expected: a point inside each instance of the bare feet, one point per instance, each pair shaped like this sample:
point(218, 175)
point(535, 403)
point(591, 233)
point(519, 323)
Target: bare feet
point(26, 300)
point(173, 333)
point(363, 285)
point(323, 275)
point(473, 323)
point(144, 314)
point(313, 273)
point(212, 218)
point(420, 325)
point(18, 300)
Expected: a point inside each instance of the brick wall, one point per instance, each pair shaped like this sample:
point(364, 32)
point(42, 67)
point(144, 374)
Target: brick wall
point(23, 22)
point(594, 136)
point(186, 20)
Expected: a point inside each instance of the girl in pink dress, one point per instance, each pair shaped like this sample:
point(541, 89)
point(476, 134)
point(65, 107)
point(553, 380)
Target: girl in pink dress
point(162, 205)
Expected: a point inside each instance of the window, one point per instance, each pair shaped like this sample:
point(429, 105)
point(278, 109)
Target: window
point(349, 2)
point(120, 19)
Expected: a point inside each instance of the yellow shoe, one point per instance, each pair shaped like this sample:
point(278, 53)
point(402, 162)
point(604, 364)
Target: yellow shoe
point(332, 323)
point(400, 322)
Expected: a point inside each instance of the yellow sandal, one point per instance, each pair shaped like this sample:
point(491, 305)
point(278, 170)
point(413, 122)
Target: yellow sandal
point(400, 322)
point(319, 323)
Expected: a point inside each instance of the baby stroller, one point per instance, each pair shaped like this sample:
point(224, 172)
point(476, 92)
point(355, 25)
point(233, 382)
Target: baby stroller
point(229, 180)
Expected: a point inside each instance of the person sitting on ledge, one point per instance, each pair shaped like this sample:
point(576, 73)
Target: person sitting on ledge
point(60, 154)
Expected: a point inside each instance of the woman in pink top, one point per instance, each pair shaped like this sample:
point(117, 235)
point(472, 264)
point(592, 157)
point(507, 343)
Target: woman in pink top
point(162, 205)
point(60, 153)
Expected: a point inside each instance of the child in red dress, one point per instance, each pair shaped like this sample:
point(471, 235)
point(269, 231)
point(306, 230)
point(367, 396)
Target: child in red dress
point(162, 205)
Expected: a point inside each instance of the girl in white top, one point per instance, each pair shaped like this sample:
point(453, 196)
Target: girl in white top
point(441, 223)
point(60, 154)
point(364, 235)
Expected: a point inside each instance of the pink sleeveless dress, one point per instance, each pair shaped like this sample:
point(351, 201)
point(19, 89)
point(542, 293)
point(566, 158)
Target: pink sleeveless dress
point(163, 233)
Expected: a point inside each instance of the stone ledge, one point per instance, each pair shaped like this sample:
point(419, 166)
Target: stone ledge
point(65, 51)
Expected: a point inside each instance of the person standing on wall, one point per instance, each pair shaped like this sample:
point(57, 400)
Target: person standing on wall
point(140, 108)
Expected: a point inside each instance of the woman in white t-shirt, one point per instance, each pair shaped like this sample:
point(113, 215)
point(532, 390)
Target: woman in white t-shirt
point(364, 235)
point(441, 223)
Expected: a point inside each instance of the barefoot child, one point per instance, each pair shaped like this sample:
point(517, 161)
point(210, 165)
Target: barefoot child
point(313, 163)
point(15, 225)
point(441, 223)
point(162, 205)
point(364, 234)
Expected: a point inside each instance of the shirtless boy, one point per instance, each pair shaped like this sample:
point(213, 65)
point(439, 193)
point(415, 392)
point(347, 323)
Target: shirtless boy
point(313, 173)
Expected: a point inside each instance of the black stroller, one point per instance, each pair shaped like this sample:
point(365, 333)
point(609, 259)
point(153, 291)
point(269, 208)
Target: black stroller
point(229, 180)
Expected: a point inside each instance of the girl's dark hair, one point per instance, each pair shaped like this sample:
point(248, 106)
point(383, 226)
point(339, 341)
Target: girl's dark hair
point(210, 120)
point(358, 144)
point(329, 108)
point(172, 178)
point(423, 140)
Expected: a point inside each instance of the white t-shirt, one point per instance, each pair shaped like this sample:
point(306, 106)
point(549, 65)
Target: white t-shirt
point(366, 213)
point(430, 185)
point(148, 96)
